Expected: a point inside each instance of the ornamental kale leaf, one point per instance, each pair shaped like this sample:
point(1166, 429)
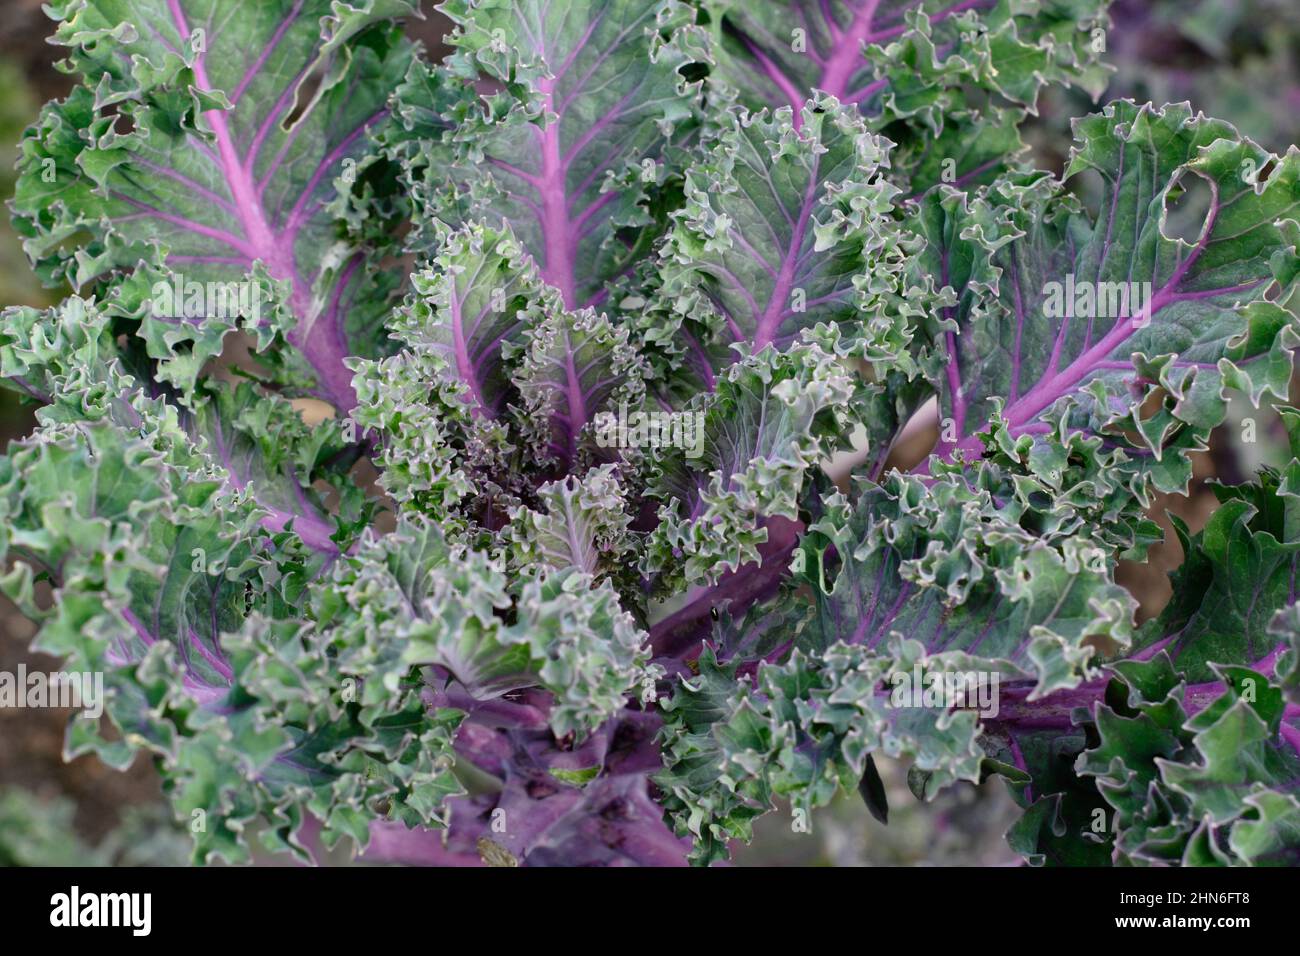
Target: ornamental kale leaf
point(520, 536)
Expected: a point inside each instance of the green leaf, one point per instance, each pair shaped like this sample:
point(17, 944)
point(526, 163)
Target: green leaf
point(593, 99)
point(583, 524)
point(802, 731)
point(948, 81)
point(1061, 322)
point(784, 229)
point(198, 144)
point(413, 599)
point(952, 567)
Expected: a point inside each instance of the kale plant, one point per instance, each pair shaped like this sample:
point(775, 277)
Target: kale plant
point(437, 455)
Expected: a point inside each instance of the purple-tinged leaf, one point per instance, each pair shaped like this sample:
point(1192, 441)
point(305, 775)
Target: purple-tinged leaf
point(600, 97)
point(1045, 316)
point(783, 229)
point(236, 131)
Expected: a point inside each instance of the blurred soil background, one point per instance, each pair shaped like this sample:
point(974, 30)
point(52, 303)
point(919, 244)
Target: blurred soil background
point(1234, 59)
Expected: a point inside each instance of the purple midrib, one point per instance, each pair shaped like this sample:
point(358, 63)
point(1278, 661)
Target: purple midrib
point(746, 584)
point(560, 247)
point(1053, 386)
point(464, 363)
point(561, 232)
point(215, 660)
point(1017, 704)
point(846, 60)
point(770, 320)
point(314, 530)
point(263, 242)
point(773, 73)
point(1049, 389)
point(953, 369)
point(261, 238)
point(577, 403)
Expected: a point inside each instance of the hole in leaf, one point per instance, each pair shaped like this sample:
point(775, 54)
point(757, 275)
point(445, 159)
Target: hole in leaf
point(308, 92)
point(1187, 207)
point(692, 72)
point(916, 440)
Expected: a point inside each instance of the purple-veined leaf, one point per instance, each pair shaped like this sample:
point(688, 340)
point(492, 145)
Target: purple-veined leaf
point(958, 574)
point(762, 435)
point(256, 443)
point(442, 402)
point(783, 229)
point(581, 523)
point(492, 361)
point(575, 368)
point(778, 53)
point(1196, 748)
point(469, 305)
point(1046, 317)
point(949, 81)
point(236, 129)
point(600, 98)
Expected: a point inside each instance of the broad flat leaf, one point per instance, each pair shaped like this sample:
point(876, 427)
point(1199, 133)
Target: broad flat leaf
point(784, 228)
point(948, 81)
point(778, 53)
point(597, 99)
point(230, 158)
point(1187, 316)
